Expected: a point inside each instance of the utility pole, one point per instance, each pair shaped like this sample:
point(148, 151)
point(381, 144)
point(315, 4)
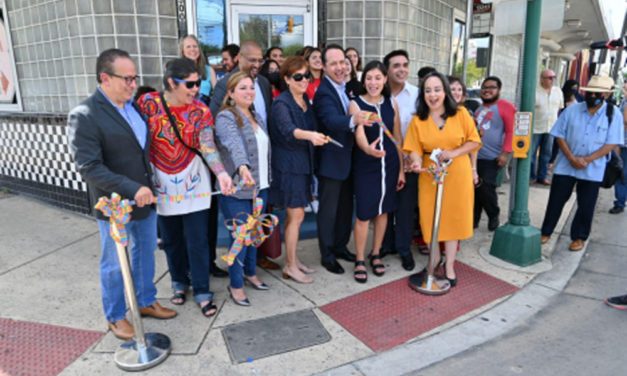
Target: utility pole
point(618, 62)
point(518, 242)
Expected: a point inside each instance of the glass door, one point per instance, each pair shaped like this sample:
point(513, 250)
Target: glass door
point(289, 26)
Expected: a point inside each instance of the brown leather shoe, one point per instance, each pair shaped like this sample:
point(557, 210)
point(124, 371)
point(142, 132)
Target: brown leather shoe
point(122, 329)
point(267, 264)
point(544, 239)
point(577, 245)
point(545, 182)
point(156, 310)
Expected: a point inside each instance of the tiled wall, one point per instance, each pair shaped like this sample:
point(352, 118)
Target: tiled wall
point(422, 27)
point(56, 43)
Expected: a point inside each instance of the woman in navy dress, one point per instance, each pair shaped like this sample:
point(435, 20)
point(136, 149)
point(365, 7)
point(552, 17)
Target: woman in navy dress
point(377, 166)
point(293, 136)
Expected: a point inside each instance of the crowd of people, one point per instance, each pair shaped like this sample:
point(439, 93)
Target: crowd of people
point(319, 124)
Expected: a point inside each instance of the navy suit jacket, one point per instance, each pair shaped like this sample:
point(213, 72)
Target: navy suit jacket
point(333, 161)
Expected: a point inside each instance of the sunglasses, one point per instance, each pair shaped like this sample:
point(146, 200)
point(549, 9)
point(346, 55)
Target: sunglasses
point(188, 84)
point(299, 76)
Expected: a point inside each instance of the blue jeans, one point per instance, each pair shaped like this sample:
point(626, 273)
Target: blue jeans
point(620, 188)
point(543, 141)
point(247, 258)
point(143, 242)
point(401, 223)
point(186, 244)
point(561, 189)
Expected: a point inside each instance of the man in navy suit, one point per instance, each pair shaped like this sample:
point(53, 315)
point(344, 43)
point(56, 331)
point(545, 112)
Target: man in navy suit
point(111, 148)
point(335, 190)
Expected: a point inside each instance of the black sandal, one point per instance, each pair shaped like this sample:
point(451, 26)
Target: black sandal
point(377, 269)
point(208, 308)
point(360, 272)
point(178, 295)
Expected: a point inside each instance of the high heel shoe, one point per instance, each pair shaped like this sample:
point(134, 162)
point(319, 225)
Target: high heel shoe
point(305, 269)
point(244, 302)
point(261, 287)
point(305, 280)
point(452, 281)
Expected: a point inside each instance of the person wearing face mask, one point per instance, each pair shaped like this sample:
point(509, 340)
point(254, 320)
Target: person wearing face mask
point(586, 132)
point(181, 149)
point(270, 70)
point(495, 121)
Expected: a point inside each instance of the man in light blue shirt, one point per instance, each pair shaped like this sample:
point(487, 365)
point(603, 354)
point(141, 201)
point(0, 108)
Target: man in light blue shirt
point(586, 132)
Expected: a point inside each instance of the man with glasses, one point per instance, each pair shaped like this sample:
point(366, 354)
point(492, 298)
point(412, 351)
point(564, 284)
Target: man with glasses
point(250, 60)
point(111, 149)
point(495, 122)
point(549, 100)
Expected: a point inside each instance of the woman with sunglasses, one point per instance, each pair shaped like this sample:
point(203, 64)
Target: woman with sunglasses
point(190, 48)
point(314, 60)
point(181, 131)
point(244, 145)
point(293, 135)
point(377, 166)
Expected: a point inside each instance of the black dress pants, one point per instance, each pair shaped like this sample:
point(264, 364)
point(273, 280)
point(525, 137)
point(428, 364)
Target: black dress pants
point(335, 215)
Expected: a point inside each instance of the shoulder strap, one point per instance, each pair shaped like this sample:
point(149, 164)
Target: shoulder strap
point(176, 130)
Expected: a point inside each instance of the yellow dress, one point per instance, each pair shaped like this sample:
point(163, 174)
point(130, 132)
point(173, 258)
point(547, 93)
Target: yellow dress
point(458, 198)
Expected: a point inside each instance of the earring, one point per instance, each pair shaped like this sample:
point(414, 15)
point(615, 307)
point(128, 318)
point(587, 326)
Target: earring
point(231, 102)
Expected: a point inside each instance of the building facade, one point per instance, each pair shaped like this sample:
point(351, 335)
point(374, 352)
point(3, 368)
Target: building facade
point(48, 51)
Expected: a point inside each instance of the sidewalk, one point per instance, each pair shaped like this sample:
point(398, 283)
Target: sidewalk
point(49, 274)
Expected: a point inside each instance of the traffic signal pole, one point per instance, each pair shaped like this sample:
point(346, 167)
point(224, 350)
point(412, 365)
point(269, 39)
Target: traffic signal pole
point(518, 242)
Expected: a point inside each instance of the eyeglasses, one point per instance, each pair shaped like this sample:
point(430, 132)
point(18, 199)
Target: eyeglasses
point(489, 87)
point(252, 60)
point(299, 76)
point(127, 79)
point(549, 77)
point(188, 84)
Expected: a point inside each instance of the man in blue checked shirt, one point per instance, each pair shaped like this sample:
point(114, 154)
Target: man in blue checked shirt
point(586, 132)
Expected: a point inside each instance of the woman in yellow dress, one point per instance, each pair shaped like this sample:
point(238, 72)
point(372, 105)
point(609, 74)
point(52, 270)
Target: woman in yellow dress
point(438, 124)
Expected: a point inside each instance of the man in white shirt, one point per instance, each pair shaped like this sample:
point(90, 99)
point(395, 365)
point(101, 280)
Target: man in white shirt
point(549, 100)
point(398, 236)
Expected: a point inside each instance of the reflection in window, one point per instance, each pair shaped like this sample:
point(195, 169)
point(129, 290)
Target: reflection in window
point(478, 61)
point(285, 31)
point(211, 24)
point(457, 46)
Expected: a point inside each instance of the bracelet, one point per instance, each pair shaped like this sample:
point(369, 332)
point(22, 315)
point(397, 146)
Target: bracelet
point(474, 169)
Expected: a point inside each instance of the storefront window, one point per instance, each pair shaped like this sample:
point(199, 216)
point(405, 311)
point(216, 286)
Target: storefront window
point(478, 61)
point(285, 31)
point(211, 28)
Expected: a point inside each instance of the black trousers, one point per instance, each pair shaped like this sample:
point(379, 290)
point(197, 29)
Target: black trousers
point(335, 215)
point(561, 189)
point(401, 223)
point(485, 193)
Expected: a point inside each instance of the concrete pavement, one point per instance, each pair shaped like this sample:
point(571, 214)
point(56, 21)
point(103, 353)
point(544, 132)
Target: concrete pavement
point(49, 274)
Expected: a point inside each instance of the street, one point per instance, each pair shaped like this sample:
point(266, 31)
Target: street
point(577, 334)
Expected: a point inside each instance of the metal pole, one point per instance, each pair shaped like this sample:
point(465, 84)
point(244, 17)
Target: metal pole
point(428, 284)
point(146, 350)
point(517, 241)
